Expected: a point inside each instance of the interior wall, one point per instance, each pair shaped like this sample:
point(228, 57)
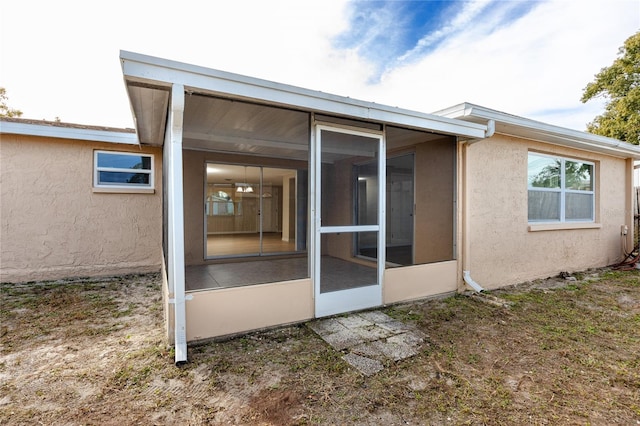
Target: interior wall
point(435, 197)
point(194, 163)
point(337, 208)
point(400, 202)
point(54, 226)
point(271, 208)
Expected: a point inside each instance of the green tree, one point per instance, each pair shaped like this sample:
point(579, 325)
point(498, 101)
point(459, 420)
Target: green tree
point(619, 84)
point(5, 110)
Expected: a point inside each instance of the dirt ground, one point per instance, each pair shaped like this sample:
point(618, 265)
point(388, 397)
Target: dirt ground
point(92, 352)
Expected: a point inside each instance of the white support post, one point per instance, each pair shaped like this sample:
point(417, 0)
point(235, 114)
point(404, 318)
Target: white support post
point(312, 205)
point(175, 218)
point(382, 206)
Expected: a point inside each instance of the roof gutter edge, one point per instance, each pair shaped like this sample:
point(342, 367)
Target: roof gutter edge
point(93, 135)
point(589, 140)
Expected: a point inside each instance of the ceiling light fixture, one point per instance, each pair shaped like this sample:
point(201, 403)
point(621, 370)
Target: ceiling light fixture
point(244, 187)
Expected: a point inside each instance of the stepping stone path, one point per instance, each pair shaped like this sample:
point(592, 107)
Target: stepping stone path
point(369, 340)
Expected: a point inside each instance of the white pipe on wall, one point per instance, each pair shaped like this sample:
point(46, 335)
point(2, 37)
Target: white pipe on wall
point(466, 242)
point(474, 285)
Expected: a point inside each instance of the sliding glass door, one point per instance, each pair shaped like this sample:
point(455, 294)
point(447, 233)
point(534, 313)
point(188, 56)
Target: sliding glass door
point(253, 211)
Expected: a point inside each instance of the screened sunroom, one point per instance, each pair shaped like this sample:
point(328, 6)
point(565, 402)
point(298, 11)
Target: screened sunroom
point(284, 204)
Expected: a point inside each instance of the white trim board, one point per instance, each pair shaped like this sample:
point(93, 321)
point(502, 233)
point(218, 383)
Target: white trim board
point(61, 132)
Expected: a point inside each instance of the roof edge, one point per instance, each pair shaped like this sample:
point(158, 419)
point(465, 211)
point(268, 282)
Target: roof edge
point(67, 131)
point(153, 70)
point(517, 126)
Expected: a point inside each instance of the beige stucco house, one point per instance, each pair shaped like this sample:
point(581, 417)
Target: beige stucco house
point(266, 204)
point(55, 222)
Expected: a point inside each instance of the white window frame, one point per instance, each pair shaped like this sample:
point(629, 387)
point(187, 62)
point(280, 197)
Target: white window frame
point(121, 186)
point(563, 191)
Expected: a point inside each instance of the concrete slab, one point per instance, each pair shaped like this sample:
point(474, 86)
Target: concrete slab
point(395, 326)
point(370, 340)
point(366, 366)
point(354, 321)
point(327, 326)
point(376, 316)
point(396, 349)
point(343, 339)
point(409, 338)
point(367, 349)
point(372, 332)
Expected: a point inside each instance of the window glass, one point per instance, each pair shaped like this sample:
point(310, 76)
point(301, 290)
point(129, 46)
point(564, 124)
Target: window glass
point(105, 178)
point(579, 206)
point(560, 189)
point(124, 161)
point(578, 175)
point(122, 169)
point(254, 211)
point(544, 172)
point(544, 206)
point(220, 204)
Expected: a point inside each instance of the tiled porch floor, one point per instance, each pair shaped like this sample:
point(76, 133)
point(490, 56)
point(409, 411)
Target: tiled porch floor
point(238, 274)
point(336, 274)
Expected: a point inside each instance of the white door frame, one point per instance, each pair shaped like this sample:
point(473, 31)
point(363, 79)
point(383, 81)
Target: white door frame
point(336, 302)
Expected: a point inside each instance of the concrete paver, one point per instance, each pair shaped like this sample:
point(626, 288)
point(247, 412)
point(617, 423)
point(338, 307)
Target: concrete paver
point(366, 365)
point(354, 321)
point(369, 340)
point(326, 326)
point(343, 339)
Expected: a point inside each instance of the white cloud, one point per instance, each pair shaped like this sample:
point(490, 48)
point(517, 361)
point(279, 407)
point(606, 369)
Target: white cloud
point(60, 58)
point(540, 62)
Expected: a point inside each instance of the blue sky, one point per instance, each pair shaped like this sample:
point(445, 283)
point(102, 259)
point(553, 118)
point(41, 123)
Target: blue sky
point(59, 58)
point(393, 33)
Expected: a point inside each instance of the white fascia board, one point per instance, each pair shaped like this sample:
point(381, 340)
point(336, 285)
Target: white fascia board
point(523, 127)
point(163, 72)
point(94, 135)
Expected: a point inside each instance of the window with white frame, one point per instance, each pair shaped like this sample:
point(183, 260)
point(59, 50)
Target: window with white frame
point(560, 189)
point(122, 170)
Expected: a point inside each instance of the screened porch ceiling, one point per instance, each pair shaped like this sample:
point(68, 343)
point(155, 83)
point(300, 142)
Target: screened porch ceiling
point(233, 126)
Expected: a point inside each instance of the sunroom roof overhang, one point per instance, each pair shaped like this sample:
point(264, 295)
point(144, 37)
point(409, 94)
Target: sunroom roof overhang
point(149, 81)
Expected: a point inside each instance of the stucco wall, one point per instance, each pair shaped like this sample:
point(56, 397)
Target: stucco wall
point(503, 250)
point(52, 223)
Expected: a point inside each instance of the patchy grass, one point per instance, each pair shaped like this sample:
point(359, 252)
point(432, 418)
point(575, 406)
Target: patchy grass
point(92, 352)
